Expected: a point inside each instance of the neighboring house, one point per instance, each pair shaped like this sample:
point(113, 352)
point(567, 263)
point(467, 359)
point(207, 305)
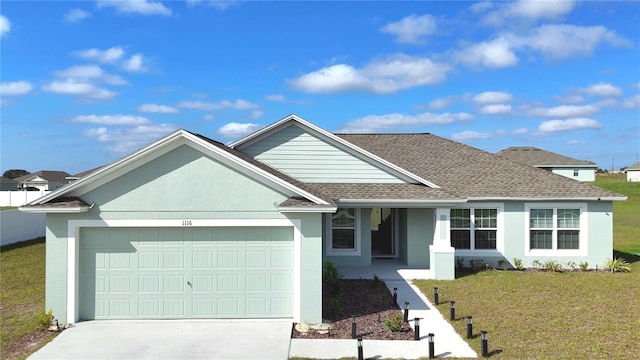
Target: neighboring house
point(72, 178)
point(7, 184)
point(558, 164)
point(43, 180)
point(633, 172)
point(188, 227)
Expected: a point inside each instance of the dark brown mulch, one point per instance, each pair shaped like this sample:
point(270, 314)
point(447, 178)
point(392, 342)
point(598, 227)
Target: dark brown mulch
point(369, 301)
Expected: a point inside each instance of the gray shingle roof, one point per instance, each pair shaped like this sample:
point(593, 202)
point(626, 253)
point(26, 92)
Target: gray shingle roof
point(469, 172)
point(541, 158)
point(49, 175)
point(635, 166)
point(383, 191)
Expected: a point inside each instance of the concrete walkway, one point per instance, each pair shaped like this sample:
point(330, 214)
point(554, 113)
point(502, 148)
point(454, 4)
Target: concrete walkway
point(447, 343)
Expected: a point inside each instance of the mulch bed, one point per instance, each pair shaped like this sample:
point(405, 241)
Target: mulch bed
point(25, 345)
point(369, 301)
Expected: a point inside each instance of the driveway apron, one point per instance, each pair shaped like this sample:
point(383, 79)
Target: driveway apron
point(171, 339)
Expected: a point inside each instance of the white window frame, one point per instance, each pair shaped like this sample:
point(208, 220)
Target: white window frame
point(330, 251)
point(554, 251)
point(499, 230)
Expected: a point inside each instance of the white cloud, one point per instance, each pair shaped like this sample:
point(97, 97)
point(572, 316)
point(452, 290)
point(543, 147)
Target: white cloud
point(5, 26)
point(553, 126)
point(470, 135)
point(492, 97)
point(377, 123)
point(495, 53)
point(104, 56)
point(387, 75)
point(238, 104)
point(569, 99)
point(157, 109)
point(75, 15)
point(135, 64)
point(495, 109)
point(511, 12)
point(126, 140)
point(563, 41)
point(602, 89)
point(15, 88)
point(276, 98)
point(221, 5)
point(637, 85)
point(632, 102)
point(141, 7)
point(575, 142)
point(441, 103)
point(564, 111)
point(237, 129)
point(520, 131)
point(74, 87)
point(412, 29)
point(90, 73)
point(113, 120)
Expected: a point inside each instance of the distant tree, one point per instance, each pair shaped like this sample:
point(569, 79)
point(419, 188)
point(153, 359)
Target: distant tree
point(15, 173)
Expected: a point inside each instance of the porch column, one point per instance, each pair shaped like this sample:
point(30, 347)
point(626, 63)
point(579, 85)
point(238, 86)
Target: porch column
point(442, 254)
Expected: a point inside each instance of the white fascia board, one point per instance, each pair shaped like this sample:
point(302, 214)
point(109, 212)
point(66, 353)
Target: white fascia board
point(54, 210)
point(568, 166)
point(556, 199)
point(248, 140)
point(304, 209)
point(408, 203)
point(109, 169)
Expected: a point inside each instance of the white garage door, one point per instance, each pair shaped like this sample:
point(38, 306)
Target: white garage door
point(152, 273)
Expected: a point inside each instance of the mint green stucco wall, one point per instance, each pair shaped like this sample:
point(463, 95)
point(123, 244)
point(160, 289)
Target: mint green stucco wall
point(420, 228)
point(184, 184)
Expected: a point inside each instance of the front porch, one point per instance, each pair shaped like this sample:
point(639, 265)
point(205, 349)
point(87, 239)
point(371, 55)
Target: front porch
point(387, 270)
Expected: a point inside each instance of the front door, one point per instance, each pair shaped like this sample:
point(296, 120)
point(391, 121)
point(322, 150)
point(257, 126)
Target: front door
point(383, 232)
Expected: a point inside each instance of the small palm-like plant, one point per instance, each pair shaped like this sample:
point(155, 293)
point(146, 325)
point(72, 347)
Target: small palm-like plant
point(617, 265)
point(394, 323)
point(552, 265)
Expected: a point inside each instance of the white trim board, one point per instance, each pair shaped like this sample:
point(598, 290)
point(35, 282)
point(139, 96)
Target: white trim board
point(73, 246)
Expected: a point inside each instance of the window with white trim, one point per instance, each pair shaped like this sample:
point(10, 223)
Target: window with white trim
point(474, 229)
point(576, 172)
point(556, 229)
point(343, 229)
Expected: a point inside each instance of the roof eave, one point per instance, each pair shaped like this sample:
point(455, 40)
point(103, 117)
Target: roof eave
point(407, 203)
point(54, 209)
point(578, 198)
point(306, 209)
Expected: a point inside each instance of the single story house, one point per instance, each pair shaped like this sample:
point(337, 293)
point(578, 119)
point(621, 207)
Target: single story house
point(7, 184)
point(633, 172)
point(558, 164)
point(188, 227)
point(43, 180)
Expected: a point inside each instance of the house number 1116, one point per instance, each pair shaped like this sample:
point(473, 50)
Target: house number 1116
point(186, 223)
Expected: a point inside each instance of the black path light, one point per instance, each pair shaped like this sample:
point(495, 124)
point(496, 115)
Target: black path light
point(485, 343)
point(353, 327)
point(435, 295)
point(432, 350)
point(452, 310)
point(360, 352)
point(406, 311)
point(469, 327)
point(416, 330)
point(395, 296)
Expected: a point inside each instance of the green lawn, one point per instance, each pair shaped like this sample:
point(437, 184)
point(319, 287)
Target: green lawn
point(556, 315)
point(21, 294)
point(7, 208)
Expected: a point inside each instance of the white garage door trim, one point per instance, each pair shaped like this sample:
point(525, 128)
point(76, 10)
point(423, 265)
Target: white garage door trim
point(73, 236)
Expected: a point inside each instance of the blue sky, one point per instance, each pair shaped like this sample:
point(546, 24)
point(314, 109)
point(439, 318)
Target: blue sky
point(84, 83)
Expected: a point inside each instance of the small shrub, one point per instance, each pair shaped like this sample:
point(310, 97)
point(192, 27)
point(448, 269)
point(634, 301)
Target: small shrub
point(583, 266)
point(336, 307)
point(617, 265)
point(45, 319)
point(376, 281)
point(518, 264)
point(394, 323)
point(459, 262)
point(572, 265)
point(478, 264)
point(330, 275)
point(552, 265)
point(383, 299)
point(503, 264)
point(536, 263)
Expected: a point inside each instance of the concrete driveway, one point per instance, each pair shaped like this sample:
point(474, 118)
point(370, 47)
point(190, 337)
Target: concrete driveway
point(171, 339)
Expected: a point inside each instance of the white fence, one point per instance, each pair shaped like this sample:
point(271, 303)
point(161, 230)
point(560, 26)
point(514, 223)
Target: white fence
point(19, 198)
point(16, 226)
